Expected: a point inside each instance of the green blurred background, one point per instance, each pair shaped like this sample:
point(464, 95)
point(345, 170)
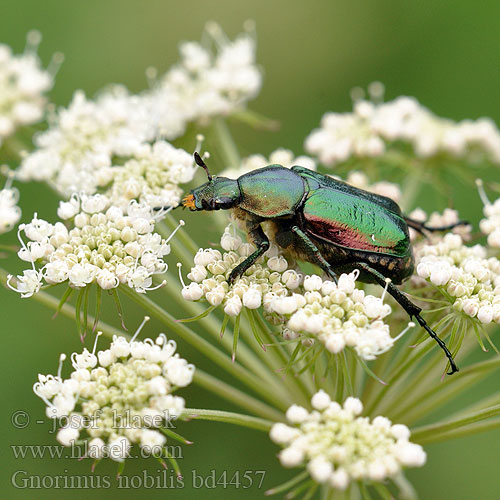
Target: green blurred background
point(445, 53)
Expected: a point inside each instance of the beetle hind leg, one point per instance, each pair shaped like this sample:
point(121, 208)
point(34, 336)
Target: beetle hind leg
point(421, 227)
point(412, 310)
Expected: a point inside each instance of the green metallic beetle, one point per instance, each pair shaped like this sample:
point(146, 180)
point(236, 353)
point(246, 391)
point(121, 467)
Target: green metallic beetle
point(321, 220)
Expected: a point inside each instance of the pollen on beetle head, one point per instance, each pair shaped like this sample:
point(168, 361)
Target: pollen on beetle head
point(188, 201)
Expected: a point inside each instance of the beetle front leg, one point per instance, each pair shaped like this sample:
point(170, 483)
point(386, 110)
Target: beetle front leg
point(313, 253)
point(260, 240)
point(412, 309)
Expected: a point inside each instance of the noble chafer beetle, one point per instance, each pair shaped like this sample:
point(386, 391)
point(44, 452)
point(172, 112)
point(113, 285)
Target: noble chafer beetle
point(320, 220)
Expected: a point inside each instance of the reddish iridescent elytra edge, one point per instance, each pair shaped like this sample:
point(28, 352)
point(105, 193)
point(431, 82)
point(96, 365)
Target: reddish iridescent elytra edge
point(320, 220)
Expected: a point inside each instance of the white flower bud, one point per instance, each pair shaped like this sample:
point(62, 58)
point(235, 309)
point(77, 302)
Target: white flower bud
point(353, 405)
point(252, 298)
point(68, 435)
point(277, 263)
point(291, 457)
point(313, 282)
point(320, 469)
point(321, 400)
point(296, 414)
point(282, 434)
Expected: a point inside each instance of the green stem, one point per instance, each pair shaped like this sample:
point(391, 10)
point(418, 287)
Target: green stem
point(209, 350)
point(228, 417)
point(235, 396)
point(213, 326)
point(201, 378)
point(228, 149)
point(411, 189)
point(469, 430)
point(428, 433)
point(271, 358)
point(438, 394)
point(282, 355)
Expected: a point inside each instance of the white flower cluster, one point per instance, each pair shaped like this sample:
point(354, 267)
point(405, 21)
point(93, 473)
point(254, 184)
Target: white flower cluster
point(91, 138)
point(119, 396)
point(465, 274)
point(270, 276)
point(337, 315)
point(491, 224)
point(75, 153)
point(366, 131)
point(206, 83)
point(283, 157)
point(106, 245)
point(10, 213)
point(338, 446)
point(152, 176)
point(23, 84)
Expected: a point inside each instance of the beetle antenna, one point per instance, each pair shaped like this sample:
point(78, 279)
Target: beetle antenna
point(199, 161)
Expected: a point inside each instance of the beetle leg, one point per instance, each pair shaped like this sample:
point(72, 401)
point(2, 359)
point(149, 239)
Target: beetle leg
point(313, 253)
point(409, 307)
point(258, 237)
point(421, 227)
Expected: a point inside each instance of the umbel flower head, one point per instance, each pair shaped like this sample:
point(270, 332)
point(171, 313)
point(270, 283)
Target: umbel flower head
point(152, 176)
point(118, 397)
point(23, 85)
point(105, 245)
point(468, 279)
point(371, 127)
point(205, 82)
point(82, 140)
point(337, 446)
point(337, 315)
point(90, 138)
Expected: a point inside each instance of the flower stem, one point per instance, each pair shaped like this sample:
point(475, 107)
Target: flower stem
point(235, 396)
point(231, 157)
point(432, 432)
point(228, 417)
point(212, 326)
point(208, 349)
point(470, 429)
point(201, 378)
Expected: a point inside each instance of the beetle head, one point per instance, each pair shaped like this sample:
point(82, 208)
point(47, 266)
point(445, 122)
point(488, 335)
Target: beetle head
point(216, 194)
